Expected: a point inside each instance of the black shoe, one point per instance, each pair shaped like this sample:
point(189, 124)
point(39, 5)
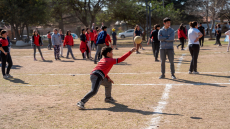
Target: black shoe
point(58, 58)
point(182, 49)
point(110, 100)
point(156, 60)
point(173, 77)
point(162, 77)
point(95, 62)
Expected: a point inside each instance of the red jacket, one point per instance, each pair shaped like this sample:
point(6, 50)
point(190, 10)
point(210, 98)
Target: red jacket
point(105, 64)
point(91, 36)
point(87, 36)
point(68, 40)
point(3, 42)
point(107, 40)
point(49, 36)
point(95, 38)
point(181, 34)
point(83, 47)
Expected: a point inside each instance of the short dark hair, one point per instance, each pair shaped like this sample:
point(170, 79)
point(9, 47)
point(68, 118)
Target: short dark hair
point(87, 29)
point(166, 19)
point(48, 32)
point(193, 24)
point(157, 25)
point(82, 30)
point(105, 50)
point(229, 22)
point(3, 32)
point(55, 29)
point(103, 27)
point(200, 23)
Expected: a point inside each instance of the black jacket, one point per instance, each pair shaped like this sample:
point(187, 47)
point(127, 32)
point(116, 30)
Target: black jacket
point(154, 34)
point(40, 40)
point(83, 37)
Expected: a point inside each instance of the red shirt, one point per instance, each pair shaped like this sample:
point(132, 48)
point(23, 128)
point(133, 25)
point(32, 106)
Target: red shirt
point(87, 36)
point(48, 36)
point(36, 40)
point(68, 40)
point(107, 40)
point(95, 38)
point(4, 42)
point(91, 36)
point(105, 64)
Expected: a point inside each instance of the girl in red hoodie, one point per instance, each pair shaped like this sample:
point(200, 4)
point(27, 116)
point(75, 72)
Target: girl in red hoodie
point(181, 36)
point(68, 41)
point(88, 38)
point(83, 46)
point(37, 42)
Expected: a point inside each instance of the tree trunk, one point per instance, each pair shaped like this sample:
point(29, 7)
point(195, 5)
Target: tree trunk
point(16, 32)
point(27, 29)
point(92, 20)
point(61, 25)
point(213, 22)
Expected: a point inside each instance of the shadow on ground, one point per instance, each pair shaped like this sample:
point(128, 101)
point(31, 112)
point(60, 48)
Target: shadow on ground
point(16, 80)
point(123, 108)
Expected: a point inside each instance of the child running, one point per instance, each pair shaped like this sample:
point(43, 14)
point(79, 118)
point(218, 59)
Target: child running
point(5, 55)
point(83, 46)
point(36, 43)
point(99, 75)
point(69, 43)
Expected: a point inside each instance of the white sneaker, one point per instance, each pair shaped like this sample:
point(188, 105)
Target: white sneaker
point(189, 72)
point(195, 72)
point(5, 77)
point(9, 76)
point(81, 105)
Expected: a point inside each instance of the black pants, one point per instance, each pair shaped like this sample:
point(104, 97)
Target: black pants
point(156, 48)
point(39, 49)
point(6, 58)
point(87, 53)
point(194, 51)
point(218, 39)
point(181, 43)
point(50, 44)
point(92, 42)
point(201, 40)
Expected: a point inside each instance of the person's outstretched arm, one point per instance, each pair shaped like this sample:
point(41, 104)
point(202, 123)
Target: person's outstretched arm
point(121, 59)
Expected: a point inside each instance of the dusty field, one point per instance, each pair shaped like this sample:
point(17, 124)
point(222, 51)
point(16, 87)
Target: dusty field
point(43, 95)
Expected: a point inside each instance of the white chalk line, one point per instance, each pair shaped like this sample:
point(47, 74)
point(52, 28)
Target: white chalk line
point(180, 61)
point(160, 84)
point(160, 107)
point(80, 74)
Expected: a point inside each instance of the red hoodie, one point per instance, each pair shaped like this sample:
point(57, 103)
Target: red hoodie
point(181, 34)
point(95, 38)
point(107, 40)
point(91, 36)
point(68, 40)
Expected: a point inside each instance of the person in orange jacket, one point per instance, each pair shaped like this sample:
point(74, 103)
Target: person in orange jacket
point(68, 41)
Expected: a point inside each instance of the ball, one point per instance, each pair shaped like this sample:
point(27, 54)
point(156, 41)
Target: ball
point(138, 39)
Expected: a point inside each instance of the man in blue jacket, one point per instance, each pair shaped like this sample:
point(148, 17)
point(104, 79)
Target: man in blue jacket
point(166, 38)
point(100, 42)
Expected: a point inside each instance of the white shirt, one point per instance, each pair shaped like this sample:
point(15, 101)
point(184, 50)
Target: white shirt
point(192, 35)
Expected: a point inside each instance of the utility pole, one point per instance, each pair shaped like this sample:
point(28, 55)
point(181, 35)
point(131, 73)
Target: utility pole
point(146, 3)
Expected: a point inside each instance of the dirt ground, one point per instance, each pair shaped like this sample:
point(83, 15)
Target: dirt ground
point(43, 95)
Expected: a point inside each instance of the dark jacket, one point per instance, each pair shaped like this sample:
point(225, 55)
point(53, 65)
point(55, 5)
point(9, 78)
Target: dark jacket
point(154, 34)
point(8, 38)
point(101, 37)
point(83, 37)
point(40, 41)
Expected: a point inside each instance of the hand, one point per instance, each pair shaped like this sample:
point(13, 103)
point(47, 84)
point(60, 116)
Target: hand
point(133, 49)
point(197, 39)
point(5, 53)
point(110, 80)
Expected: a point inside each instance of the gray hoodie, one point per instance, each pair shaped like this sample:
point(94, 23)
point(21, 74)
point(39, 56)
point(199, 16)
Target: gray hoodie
point(166, 37)
point(56, 39)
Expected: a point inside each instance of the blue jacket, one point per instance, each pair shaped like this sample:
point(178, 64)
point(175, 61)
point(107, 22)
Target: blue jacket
point(8, 38)
point(101, 37)
point(166, 37)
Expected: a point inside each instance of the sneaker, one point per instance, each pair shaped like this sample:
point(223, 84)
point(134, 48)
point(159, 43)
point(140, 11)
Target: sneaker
point(173, 77)
point(5, 77)
point(95, 62)
point(43, 59)
point(138, 53)
point(189, 72)
point(110, 100)
point(143, 48)
point(116, 48)
point(156, 60)
point(62, 57)
point(58, 58)
point(9, 76)
point(220, 45)
point(182, 49)
point(67, 58)
point(81, 105)
point(162, 77)
point(195, 72)
point(74, 58)
point(227, 50)
point(35, 59)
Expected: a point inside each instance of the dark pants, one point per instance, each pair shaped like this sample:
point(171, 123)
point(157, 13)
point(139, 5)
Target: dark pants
point(201, 40)
point(56, 51)
point(92, 42)
point(69, 51)
point(181, 43)
point(194, 51)
point(6, 58)
point(39, 49)
point(218, 39)
point(50, 44)
point(87, 53)
point(98, 53)
point(96, 82)
point(156, 48)
point(170, 53)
